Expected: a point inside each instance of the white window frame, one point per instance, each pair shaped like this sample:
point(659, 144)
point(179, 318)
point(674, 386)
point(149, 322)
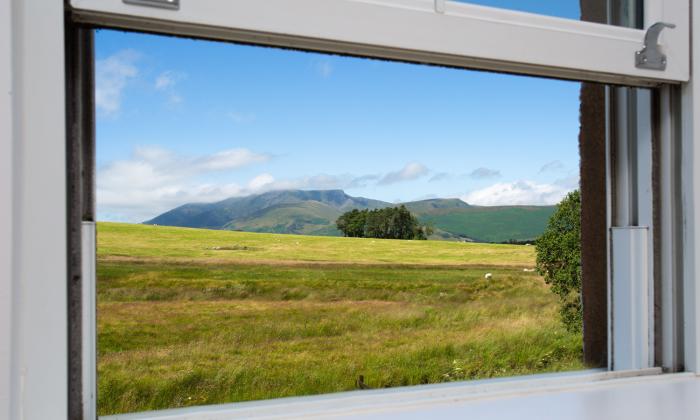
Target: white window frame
point(6, 151)
point(463, 35)
point(32, 227)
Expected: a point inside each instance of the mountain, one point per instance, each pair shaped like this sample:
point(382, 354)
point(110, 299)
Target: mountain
point(287, 211)
point(304, 218)
point(436, 205)
point(315, 212)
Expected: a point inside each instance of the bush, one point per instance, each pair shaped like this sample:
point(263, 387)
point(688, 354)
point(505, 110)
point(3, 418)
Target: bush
point(559, 259)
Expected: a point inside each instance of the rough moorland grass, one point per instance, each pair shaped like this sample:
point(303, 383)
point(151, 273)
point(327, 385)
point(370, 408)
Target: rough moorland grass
point(181, 326)
point(160, 242)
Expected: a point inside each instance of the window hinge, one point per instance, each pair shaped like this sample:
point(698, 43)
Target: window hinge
point(163, 4)
point(651, 57)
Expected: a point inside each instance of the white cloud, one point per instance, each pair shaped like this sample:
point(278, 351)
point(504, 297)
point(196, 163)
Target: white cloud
point(138, 204)
point(166, 81)
point(409, 172)
point(553, 166)
point(261, 181)
point(521, 193)
point(484, 173)
point(324, 182)
point(266, 182)
point(569, 183)
point(362, 181)
point(426, 197)
point(155, 180)
point(440, 176)
point(153, 153)
point(324, 69)
point(228, 159)
point(139, 174)
point(112, 74)
point(241, 117)
point(175, 99)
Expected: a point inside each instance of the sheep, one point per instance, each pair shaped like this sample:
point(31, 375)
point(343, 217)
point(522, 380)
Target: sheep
point(488, 276)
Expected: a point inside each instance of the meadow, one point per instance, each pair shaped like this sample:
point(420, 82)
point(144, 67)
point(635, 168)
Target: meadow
point(191, 317)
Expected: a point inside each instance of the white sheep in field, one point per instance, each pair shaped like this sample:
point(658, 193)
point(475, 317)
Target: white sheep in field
point(488, 276)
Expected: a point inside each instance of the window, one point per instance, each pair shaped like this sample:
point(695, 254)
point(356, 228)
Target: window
point(552, 48)
point(440, 180)
point(505, 59)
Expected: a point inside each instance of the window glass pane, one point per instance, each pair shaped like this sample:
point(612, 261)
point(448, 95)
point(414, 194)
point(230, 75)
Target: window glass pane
point(569, 9)
point(231, 266)
point(623, 12)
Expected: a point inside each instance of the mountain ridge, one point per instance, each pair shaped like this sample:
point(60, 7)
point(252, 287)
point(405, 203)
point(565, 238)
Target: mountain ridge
point(313, 212)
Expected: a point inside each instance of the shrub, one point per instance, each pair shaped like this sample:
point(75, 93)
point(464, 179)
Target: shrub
point(559, 258)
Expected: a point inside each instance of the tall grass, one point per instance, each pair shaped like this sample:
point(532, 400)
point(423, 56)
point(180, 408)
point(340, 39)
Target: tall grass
point(182, 324)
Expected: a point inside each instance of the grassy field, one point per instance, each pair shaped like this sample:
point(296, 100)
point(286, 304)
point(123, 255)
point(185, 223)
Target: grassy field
point(191, 317)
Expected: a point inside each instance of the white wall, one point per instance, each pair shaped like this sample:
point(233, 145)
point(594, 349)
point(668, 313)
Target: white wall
point(32, 163)
point(5, 205)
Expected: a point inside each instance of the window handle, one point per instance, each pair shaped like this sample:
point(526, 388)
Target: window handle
point(651, 57)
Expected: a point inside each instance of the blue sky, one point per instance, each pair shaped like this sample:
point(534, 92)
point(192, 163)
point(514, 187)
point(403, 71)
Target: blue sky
point(560, 8)
point(182, 120)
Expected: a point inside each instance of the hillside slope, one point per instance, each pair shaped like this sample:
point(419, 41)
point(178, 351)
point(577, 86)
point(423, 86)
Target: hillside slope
point(225, 214)
point(304, 218)
point(315, 213)
point(492, 224)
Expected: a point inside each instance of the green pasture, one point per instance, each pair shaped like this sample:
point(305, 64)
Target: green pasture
point(190, 317)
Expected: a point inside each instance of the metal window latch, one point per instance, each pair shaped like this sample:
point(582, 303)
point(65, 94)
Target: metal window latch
point(651, 57)
point(162, 4)
point(439, 6)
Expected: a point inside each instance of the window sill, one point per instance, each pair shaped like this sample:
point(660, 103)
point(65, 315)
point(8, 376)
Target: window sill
point(591, 394)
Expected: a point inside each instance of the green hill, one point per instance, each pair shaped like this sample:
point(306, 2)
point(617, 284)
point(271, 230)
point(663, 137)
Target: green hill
point(492, 224)
point(436, 205)
point(305, 218)
point(315, 213)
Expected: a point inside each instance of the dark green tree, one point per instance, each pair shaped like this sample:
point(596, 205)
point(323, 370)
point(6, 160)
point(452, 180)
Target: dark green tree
point(374, 226)
point(423, 231)
point(559, 258)
point(386, 223)
point(352, 223)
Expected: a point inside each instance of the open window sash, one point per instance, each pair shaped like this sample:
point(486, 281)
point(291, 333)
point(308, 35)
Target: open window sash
point(426, 31)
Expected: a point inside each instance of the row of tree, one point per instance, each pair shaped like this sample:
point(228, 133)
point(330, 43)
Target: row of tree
point(386, 223)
